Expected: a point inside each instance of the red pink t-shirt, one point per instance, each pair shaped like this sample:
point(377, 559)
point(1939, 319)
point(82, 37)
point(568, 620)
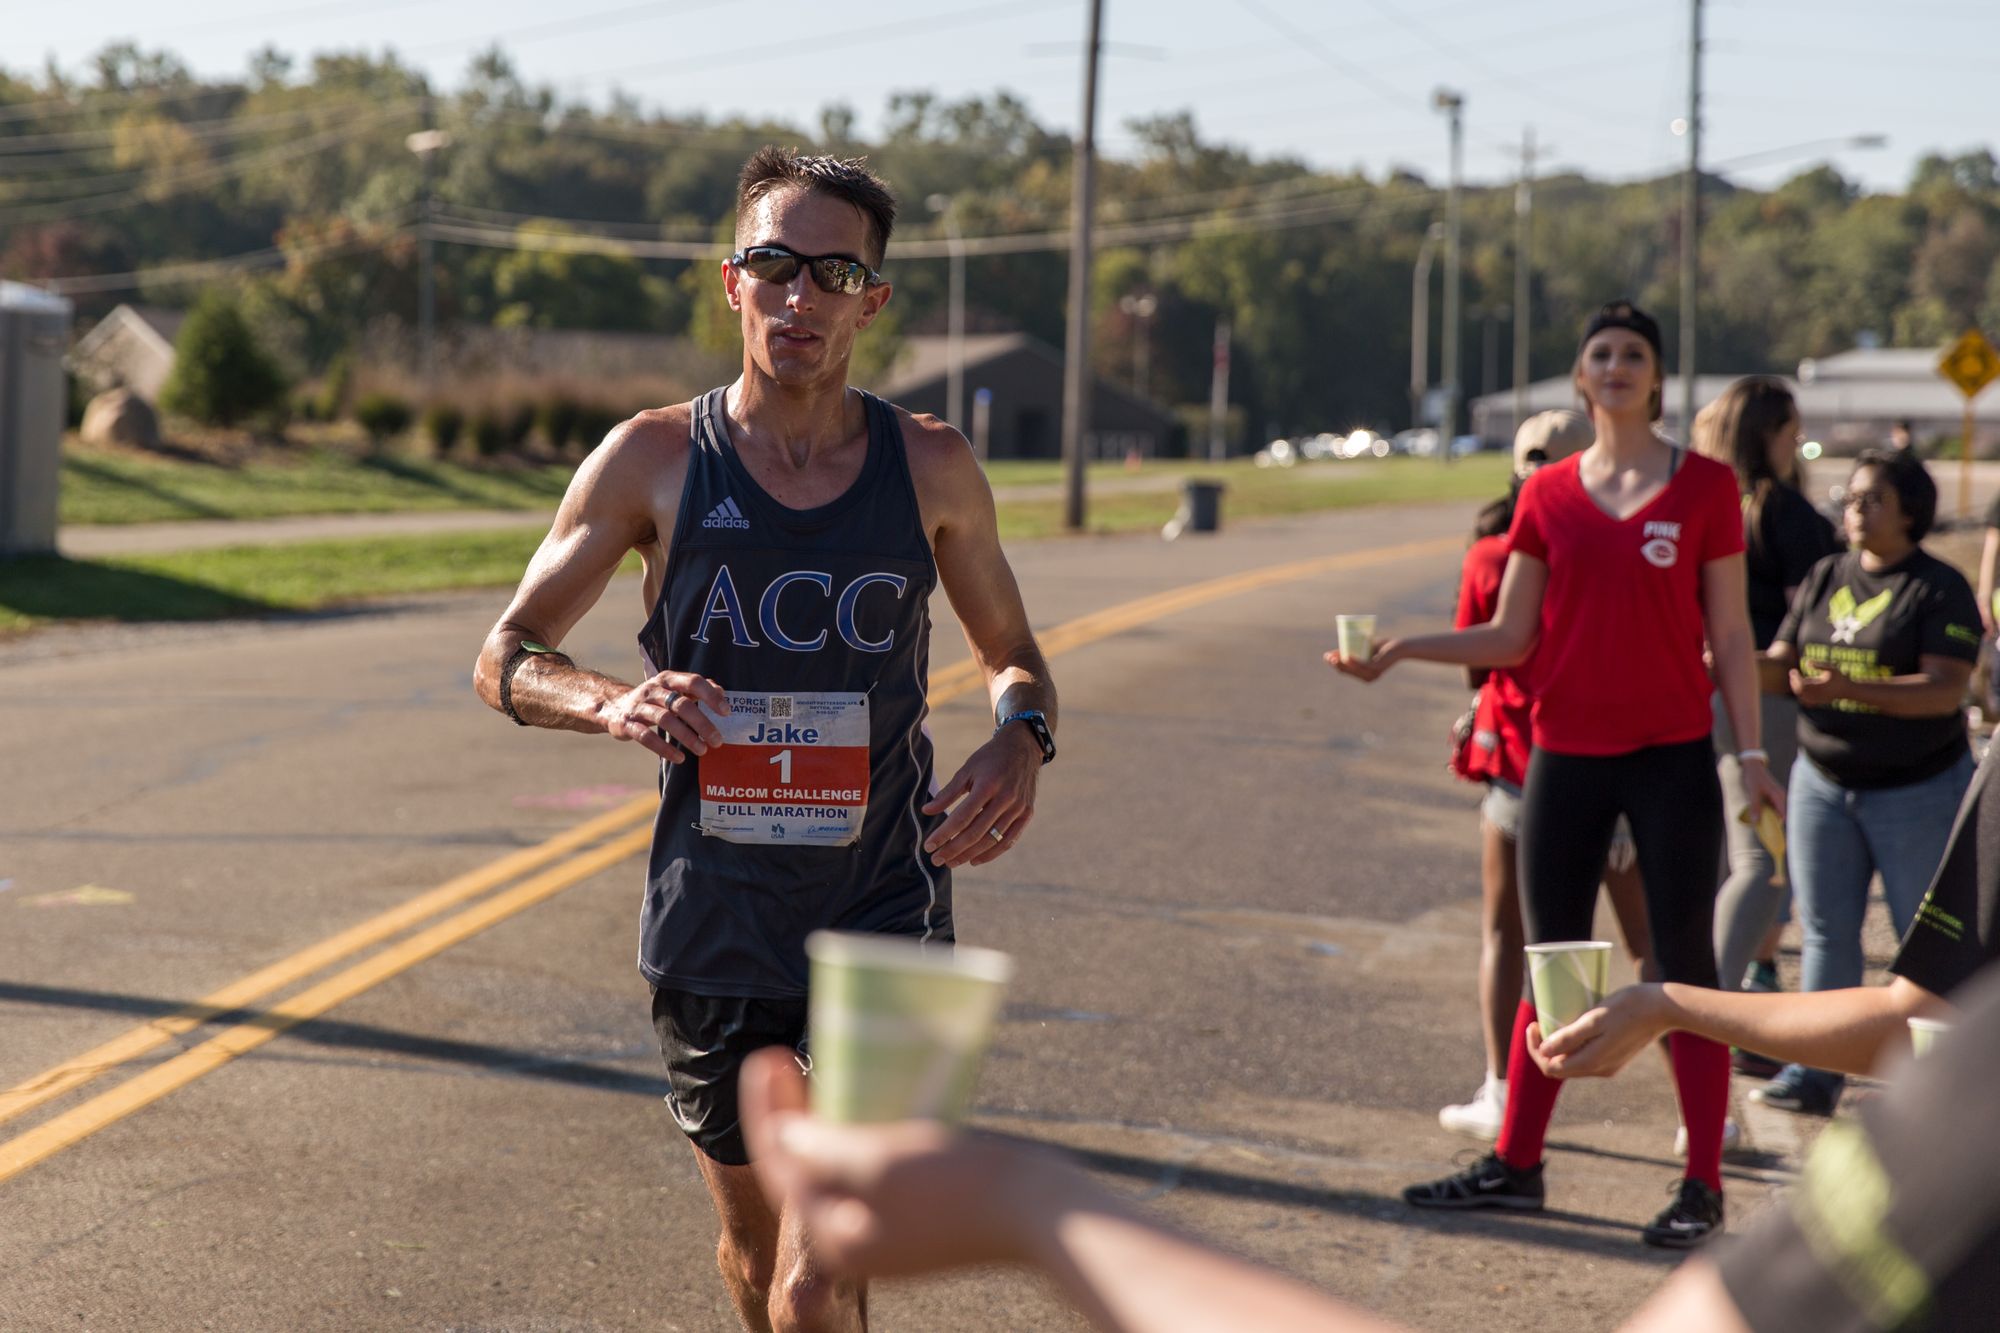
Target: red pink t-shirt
point(1501, 722)
point(1617, 666)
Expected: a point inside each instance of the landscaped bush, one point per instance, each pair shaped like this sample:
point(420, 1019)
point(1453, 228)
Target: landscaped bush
point(489, 434)
point(443, 422)
point(593, 423)
point(220, 374)
point(556, 418)
point(382, 416)
point(520, 424)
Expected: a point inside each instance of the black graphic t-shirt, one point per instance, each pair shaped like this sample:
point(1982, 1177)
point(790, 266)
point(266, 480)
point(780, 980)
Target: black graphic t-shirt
point(1957, 930)
point(1873, 626)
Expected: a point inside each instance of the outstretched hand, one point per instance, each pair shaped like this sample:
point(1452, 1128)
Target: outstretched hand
point(664, 715)
point(884, 1200)
point(1384, 655)
point(1604, 1040)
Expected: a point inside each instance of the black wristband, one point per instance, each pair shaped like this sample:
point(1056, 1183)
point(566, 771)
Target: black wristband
point(526, 649)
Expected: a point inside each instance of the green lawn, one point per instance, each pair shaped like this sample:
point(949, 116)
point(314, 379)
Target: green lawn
point(254, 580)
point(120, 488)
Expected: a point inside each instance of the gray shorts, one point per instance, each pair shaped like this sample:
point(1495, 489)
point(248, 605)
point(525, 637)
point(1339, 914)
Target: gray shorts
point(1502, 809)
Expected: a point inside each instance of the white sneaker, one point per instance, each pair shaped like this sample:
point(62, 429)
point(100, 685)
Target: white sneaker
point(1481, 1116)
point(1732, 1134)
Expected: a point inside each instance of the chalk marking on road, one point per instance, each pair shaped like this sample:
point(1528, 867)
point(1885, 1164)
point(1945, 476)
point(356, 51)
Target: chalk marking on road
point(149, 1036)
point(142, 1090)
point(945, 685)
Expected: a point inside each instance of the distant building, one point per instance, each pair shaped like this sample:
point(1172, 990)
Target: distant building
point(130, 348)
point(1025, 377)
point(1847, 401)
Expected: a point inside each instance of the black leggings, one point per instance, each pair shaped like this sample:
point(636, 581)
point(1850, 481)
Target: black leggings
point(1569, 808)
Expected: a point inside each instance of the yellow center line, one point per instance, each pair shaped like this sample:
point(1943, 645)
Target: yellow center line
point(946, 684)
point(51, 1137)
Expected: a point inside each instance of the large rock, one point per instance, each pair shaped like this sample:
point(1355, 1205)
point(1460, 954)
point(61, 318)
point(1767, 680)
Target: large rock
point(121, 417)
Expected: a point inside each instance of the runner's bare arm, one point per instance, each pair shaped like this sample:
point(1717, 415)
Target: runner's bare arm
point(609, 510)
point(1504, 641)
point(1725, 600)
point(993, 792)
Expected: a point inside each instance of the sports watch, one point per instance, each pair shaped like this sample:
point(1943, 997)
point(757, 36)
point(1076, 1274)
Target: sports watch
point(1038, 726)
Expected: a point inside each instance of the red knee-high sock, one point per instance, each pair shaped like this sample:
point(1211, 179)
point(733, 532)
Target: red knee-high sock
point(1531, 1099)
point(1701, 1076)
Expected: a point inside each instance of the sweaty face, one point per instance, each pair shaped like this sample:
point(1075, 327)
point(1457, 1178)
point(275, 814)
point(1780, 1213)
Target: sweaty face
point(1617, 372)
point(793, 332)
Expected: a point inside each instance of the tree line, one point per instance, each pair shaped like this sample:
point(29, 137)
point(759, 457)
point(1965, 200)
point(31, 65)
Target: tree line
point(136, 164)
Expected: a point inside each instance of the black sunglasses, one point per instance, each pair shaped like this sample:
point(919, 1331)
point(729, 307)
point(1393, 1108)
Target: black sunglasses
point(832, 273)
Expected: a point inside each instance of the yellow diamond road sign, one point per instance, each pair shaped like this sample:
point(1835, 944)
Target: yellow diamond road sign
point(1970, 363)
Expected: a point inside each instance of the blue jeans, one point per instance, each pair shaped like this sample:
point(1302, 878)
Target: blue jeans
point(1839, 839)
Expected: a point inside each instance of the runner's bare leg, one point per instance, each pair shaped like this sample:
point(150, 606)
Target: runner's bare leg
point(770, 1271)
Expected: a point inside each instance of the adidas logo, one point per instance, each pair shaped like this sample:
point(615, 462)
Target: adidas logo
point(726, 515)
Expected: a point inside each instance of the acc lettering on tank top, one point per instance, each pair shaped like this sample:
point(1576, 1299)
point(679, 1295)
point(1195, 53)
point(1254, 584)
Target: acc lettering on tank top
point(816, 624)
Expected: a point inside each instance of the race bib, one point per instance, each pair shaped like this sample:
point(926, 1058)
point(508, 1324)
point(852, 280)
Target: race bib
point(792, 770)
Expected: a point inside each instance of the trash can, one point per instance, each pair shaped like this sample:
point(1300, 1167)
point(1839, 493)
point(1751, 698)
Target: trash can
point(34, 335)
point(1203, 501)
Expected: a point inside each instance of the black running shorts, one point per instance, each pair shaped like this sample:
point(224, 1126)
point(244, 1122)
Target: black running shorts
point(703, 1039)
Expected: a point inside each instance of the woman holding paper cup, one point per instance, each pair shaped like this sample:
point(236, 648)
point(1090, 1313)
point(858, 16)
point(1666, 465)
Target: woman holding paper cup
point(1625, 560)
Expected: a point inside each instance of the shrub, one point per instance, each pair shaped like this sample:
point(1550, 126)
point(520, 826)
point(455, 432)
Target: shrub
point(382, 416)
point(336, 387)
point(593, 423)
point(489, 434)
point(520, 424)
point(557, 419)
point(220, 374)
point(443, 423)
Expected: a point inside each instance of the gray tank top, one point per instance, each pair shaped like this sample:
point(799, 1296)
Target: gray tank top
point(816, 623)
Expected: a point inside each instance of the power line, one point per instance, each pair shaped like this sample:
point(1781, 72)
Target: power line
point(165, 275)
point(227, 127)
point(152, 192)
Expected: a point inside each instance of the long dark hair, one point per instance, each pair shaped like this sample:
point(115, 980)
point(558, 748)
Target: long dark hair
point(1748, 414)
point(1497, 517)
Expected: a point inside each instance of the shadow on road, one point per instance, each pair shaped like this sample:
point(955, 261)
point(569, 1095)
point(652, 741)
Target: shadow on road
point(52, 587)
point(335, 1035)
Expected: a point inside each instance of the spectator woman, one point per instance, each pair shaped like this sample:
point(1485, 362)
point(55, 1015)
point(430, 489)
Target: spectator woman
point(1624, 560)
point(1879, 645)
point(1754, 428)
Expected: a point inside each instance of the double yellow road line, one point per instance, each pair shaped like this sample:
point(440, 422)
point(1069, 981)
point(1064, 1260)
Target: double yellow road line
point(565, 860)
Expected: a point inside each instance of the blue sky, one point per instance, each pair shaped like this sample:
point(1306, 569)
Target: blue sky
point(1337, 83)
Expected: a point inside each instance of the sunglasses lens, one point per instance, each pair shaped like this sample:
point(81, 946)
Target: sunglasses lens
point(843, 276)
point(768, 264)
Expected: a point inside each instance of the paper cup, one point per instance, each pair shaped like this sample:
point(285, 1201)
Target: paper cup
point(897, 1028)
point(1356, 636)
point(1924, 1033)
point(1569, 980)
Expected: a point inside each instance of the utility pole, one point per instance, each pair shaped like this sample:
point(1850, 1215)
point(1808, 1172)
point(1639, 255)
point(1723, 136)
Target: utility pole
point(426, 144)
point(955, 328)
point(1691, 224)
point(1140, 307)
point(1420, 323)
point(1076, 361)
point(1453, 105)
point(1218, 396)
point(1524, 227)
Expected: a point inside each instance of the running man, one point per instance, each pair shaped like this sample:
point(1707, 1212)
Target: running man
point(792, 529)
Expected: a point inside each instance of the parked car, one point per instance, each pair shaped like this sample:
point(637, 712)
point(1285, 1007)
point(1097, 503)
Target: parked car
point(1418, 443)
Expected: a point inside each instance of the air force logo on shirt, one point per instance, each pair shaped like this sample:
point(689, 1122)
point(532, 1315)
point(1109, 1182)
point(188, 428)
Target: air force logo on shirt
point(1661, 549)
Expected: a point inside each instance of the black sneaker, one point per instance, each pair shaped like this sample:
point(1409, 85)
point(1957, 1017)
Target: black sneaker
point(1487, 1183)
point(1796, 1088)
point(1693, 1216)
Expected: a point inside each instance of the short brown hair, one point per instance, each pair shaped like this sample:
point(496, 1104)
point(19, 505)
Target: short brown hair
point(772, 168)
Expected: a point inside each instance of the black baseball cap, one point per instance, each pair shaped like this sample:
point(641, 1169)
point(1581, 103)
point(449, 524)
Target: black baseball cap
point(1622, 314)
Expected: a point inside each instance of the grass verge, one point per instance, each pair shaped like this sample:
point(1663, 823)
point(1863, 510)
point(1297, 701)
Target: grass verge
point(303, 576)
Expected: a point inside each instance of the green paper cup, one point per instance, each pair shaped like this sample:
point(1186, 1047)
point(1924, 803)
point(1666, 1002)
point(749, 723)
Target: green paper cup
point(1569, 980)
point(1356, 636)
point(1924, 1033)
point(897, 1027)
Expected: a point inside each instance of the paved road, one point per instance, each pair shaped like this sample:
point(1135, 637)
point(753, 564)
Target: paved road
point(1245, 920)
